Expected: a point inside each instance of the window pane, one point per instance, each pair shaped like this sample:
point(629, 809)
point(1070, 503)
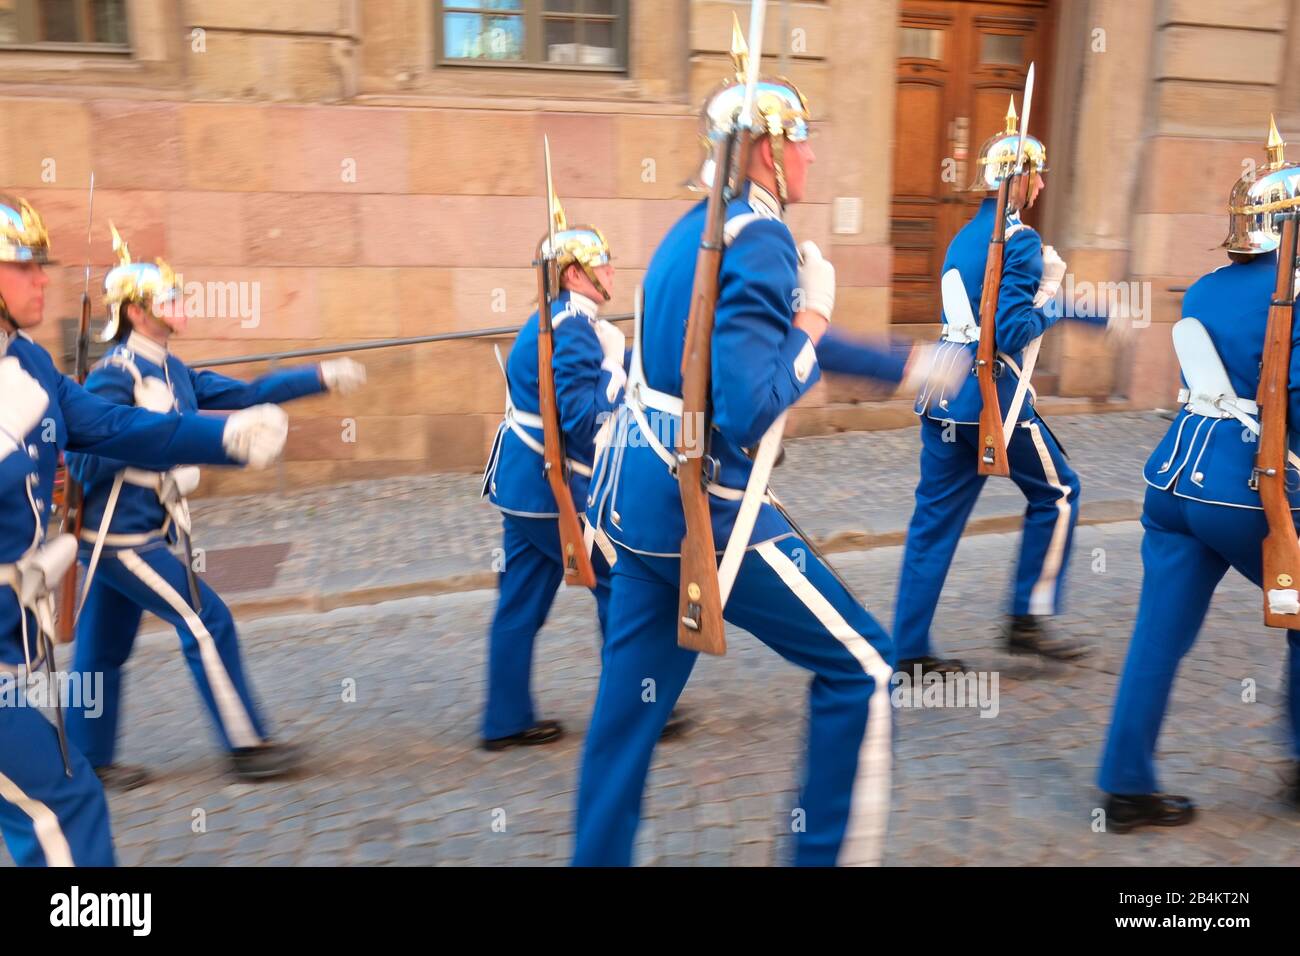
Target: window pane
point(1006, 50)
point(561, 6)
point(59, 18)
point(110, 21)
point(598, 6)
point(598, 43)
point(474, 36)
point(561, 41)
point(8, 21)
point(596, 49)
point(921, 43)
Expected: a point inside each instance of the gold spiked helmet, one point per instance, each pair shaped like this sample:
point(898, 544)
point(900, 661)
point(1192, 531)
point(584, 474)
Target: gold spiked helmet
point(23, 237)
point(996, 159)
point(1262, 198)
point(152, 283)
point(781, 111)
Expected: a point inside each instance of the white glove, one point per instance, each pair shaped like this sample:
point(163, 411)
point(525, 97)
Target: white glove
point(816, 280)
point(1053, 273)
point(1119, 325)
point(342, 375)
point(945, 378)
point(154, 395)
point(256, 435)
point(25, 401)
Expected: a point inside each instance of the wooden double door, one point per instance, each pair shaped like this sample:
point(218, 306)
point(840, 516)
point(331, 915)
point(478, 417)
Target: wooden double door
point(959, 63)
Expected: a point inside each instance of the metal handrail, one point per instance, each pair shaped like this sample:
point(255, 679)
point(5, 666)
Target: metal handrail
point(367, 346)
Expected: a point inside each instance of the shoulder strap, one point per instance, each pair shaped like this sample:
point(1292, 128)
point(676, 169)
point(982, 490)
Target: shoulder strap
point(123, 359)
point(737, 224)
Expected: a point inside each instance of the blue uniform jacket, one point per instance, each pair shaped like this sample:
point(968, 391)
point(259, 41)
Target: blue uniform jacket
point(1018, 322)
point(79, 421)
point(1210, 459)
point(138, 510)
point(761, 364)
point(585, 393)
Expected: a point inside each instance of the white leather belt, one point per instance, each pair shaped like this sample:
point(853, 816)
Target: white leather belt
point(516, 420)
point(178, 512)
point(961, 336)
point(641, 397)
point(90, 536)
point(1217, 406)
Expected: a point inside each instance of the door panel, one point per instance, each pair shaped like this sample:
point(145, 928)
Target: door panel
point(959, 63)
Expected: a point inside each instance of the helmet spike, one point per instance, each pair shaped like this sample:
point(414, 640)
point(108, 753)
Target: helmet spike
point(739, 49)
point(1276, 145)
point(554, 210)
point(119, 246)
point(1012, 119)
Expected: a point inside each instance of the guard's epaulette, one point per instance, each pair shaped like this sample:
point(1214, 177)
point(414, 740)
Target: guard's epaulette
point(120, 357)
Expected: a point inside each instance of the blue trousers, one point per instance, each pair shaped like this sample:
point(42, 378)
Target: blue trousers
point(1187, 548)
point(48, 819)
point(787, 599)
point(527, 585)
point(949, 486)
point(128, 583)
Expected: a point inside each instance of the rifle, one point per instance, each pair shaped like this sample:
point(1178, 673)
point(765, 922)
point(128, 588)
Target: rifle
point(73, 497)
point(576, 559)
point(993, 456)
point(1281, 547)
point(700, 626)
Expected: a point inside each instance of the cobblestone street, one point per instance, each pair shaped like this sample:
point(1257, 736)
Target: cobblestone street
point(395, 777)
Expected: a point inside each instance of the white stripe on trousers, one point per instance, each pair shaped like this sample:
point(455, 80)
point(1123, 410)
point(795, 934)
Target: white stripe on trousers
point(234, 718)
point(44, 821)
point(1042, 599)
point(864, 832)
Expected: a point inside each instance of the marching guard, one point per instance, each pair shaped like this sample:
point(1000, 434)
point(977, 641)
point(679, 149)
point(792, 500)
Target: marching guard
point(764, 357)
point(52, 806)
point(950, 479)
point(133, 515)
point(588, 377)
point(1207, 505)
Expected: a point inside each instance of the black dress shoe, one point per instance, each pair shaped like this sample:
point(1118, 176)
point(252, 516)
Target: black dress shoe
point(678, 724)
point(271, 759)
point(1027, 634)
point(542, 732)
point(122, 777)
point(930, 665)
point(1126, 811)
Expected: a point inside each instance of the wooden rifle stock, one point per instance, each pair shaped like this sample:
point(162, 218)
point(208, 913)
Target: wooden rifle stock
point(1281, 547)
point(699, 608)
point(993, 449)
point(73, 498)
point(577, 562)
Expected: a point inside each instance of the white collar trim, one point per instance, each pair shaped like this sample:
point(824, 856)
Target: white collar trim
point(763, 202)
point(581, 303)
point(147, 348)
